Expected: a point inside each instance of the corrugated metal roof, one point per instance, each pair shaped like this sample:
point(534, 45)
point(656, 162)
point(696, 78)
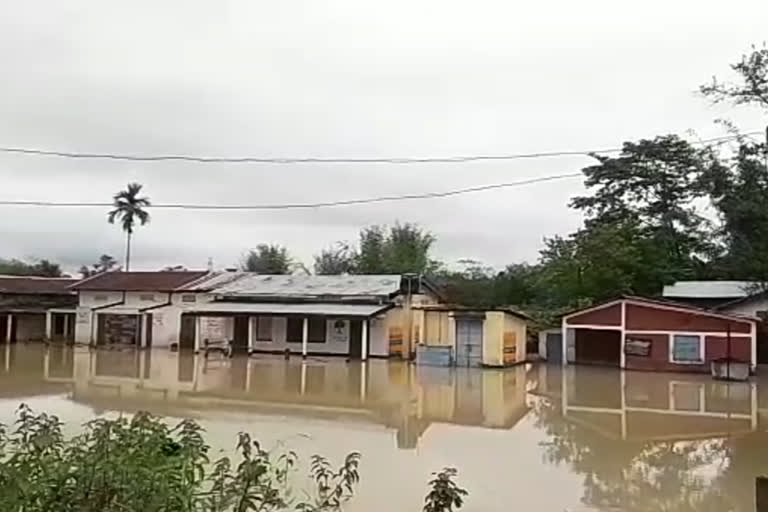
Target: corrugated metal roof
point(274, 308)
point(259, 285)
point(709, 289)
point(139, 281)
point(36, 285)
point(212, 281)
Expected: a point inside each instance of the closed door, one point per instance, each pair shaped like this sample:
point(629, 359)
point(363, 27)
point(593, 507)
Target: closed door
point(469, 342)
point(554, 347)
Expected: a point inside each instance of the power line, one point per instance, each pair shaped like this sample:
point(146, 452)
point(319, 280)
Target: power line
point(326, 160)
point(298, 206)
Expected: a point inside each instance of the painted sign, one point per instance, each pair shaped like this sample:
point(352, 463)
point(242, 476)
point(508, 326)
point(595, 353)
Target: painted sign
point(510, 347)
point(637, 347)
point(83, 317)
point(395, 341)
point(214, 329)
point(339, 331)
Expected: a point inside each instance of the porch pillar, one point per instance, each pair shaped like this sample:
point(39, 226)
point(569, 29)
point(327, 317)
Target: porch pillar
point(48, 325)
point(142, 330)
point(303, 382)
point(66, 326)
point(250, 333)
point(305, 337)
point(198, 328)
point(9, 328)
point(564, 343)
point(364, 341)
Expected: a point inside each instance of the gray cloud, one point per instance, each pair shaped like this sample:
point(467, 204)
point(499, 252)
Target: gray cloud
point(338, 78)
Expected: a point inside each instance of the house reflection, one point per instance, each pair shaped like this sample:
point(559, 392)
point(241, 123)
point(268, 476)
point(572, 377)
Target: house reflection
point(393, 393)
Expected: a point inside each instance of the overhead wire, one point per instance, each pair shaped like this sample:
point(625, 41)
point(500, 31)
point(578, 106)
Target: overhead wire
point(325, 160)
point(298, 206)
point(321, 204)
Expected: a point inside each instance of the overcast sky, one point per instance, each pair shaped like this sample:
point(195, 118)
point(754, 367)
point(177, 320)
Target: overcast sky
point(339, 78)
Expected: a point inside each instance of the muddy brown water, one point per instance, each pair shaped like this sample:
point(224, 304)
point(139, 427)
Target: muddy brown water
point(528, 438)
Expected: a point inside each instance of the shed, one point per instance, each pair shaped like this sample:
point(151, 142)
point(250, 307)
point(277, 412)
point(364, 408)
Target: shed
point(639, 333)
point(494, 337)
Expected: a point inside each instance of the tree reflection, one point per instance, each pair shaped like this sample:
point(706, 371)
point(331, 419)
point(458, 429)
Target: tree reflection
point(680, 475)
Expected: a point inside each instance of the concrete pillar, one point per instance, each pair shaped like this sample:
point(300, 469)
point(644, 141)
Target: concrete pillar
point(198, 328)
point(142, 330)
point(9, 328)
point(303, 383)
point(364, 341)
point(363, 381)
point(305, 337)
point(66, 326)
point(250, 332)
point(49, 325)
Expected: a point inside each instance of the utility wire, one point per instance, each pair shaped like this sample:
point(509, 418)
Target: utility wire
point(326, 160)
point(298, 206)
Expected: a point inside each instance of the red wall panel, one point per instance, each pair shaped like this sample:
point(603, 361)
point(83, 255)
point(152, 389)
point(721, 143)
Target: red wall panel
point(650, 318)
point(610, 315)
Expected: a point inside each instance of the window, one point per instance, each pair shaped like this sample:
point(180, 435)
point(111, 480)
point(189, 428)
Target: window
point(686, 349)
point(294, 330)
point(263, 328)
point(317, 329)
point(147, 297)
point(188, 298)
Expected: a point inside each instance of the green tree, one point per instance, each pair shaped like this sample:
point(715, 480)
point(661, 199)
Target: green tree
point(739, 192)
point(653, 182)
point(338, 259)
point(268, 259)
point(129, 209)
point(41, 268)
point(105, 264)
point(401, 249)
point(751, 85)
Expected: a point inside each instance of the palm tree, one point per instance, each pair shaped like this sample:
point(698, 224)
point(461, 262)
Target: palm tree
point(129, 208)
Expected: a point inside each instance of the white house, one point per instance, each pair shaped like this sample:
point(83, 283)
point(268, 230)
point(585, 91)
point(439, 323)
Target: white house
point(140, 308)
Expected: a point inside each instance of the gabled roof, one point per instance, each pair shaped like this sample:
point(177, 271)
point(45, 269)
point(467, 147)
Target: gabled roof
point(661, 303)
point(139, 281)
point(303, 286)
point(709, 289)
point(36, 285)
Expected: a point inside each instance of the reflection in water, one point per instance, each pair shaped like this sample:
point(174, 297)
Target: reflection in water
point(613, 441)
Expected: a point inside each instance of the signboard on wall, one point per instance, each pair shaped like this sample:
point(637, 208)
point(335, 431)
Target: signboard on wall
point(214, 329)
point(83, 317)
point(395, 341)
point(339, 331)
point(637, 347)
point(510, 347)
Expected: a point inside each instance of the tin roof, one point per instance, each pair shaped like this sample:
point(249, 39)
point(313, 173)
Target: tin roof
point(268, 308)
point(709, 289)
point(139, 281)
point(260, 285)
point(36, 285)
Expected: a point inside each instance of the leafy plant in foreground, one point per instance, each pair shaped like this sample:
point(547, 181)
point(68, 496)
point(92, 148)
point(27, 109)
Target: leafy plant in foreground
point(143, 464)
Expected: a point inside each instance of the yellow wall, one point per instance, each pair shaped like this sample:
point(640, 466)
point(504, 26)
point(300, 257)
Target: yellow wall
point(498, 326)
point(438, 328)
point(513, 324)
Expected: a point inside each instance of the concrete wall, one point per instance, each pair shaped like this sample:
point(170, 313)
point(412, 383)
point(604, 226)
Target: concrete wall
point(498, 327)
point(166, 319)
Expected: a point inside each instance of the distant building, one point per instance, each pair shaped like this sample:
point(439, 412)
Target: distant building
point(710, 294)
point(36, 308)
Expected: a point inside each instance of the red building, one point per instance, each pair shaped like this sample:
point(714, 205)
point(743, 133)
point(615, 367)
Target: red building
point(646, 334)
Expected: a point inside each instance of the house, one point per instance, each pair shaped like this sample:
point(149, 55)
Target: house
point(492, 337)
point(139, 308)
point(647, 334)
point(712, 294)
point(351, 315)
point(36, 308)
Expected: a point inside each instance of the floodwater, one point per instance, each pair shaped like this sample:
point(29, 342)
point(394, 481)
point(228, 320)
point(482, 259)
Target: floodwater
point(527, 438)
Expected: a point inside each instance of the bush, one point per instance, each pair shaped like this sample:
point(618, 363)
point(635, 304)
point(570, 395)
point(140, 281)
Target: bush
point(143, 464)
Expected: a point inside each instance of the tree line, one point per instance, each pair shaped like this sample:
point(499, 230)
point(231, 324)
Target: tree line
point(645, 224)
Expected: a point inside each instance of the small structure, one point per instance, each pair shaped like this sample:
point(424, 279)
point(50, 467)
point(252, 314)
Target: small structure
point(493, 337)
point(648, 334)
point(36, 309)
